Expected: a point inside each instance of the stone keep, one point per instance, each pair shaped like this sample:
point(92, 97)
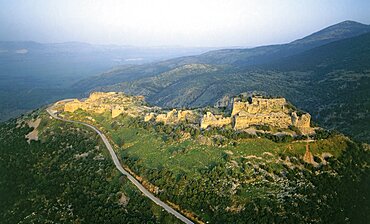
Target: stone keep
point(259, 105)
point(259, 111)
point(100, 102)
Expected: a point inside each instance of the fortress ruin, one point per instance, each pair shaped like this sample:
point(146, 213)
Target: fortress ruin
point(116, 103)
point(246, 112)
point(260, 111)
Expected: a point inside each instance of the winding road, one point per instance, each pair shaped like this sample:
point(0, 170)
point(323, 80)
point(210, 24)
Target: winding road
point(124, 172)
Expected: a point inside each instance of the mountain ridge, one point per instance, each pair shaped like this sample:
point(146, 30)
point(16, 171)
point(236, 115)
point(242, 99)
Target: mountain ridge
point(238, 58)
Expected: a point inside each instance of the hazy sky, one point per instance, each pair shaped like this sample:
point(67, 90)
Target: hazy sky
point(174, 22)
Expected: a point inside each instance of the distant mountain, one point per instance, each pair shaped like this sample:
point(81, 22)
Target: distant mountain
point(238, 58)
point(350, 54)
point(265, 54)
point(335, 32)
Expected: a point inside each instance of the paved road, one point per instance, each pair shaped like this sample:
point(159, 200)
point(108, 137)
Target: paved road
point(123, 171)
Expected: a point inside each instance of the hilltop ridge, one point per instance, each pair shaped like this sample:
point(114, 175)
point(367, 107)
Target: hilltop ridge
point(246, 113)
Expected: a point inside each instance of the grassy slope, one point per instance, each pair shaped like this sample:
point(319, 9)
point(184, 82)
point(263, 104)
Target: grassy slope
point(185, 170)
point(44, 181)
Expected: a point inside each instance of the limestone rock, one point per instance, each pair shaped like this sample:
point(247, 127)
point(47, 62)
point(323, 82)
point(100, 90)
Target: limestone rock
point(123, 200)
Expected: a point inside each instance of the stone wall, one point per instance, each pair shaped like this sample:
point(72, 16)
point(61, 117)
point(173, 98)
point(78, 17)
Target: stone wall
point(259, 105)
point(116, 103)
point(175, 116)
point(94, 96)
point(278, 119)
point(303, 123)
point(260, 111)
point(72, 106)
point(253, 111)
point(212, 120)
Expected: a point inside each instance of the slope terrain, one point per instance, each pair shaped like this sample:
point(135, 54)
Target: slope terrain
point(66, 176)
point(63, 173)
point(221, 175)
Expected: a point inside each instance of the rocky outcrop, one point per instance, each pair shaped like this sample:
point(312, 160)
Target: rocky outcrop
point(224, 102)
point(34, 134)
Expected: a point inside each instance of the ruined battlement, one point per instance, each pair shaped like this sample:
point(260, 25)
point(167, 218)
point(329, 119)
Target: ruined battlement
point(259, 111)
point(174, 116)
point(210, 119)
point(72, 106)
point(100, 102)
point(246, 112)
point(94, 96)
point(258, 104)
point(278, 119)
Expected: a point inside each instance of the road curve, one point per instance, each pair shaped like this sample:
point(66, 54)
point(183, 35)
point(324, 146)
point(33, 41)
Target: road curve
point(124, 172)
